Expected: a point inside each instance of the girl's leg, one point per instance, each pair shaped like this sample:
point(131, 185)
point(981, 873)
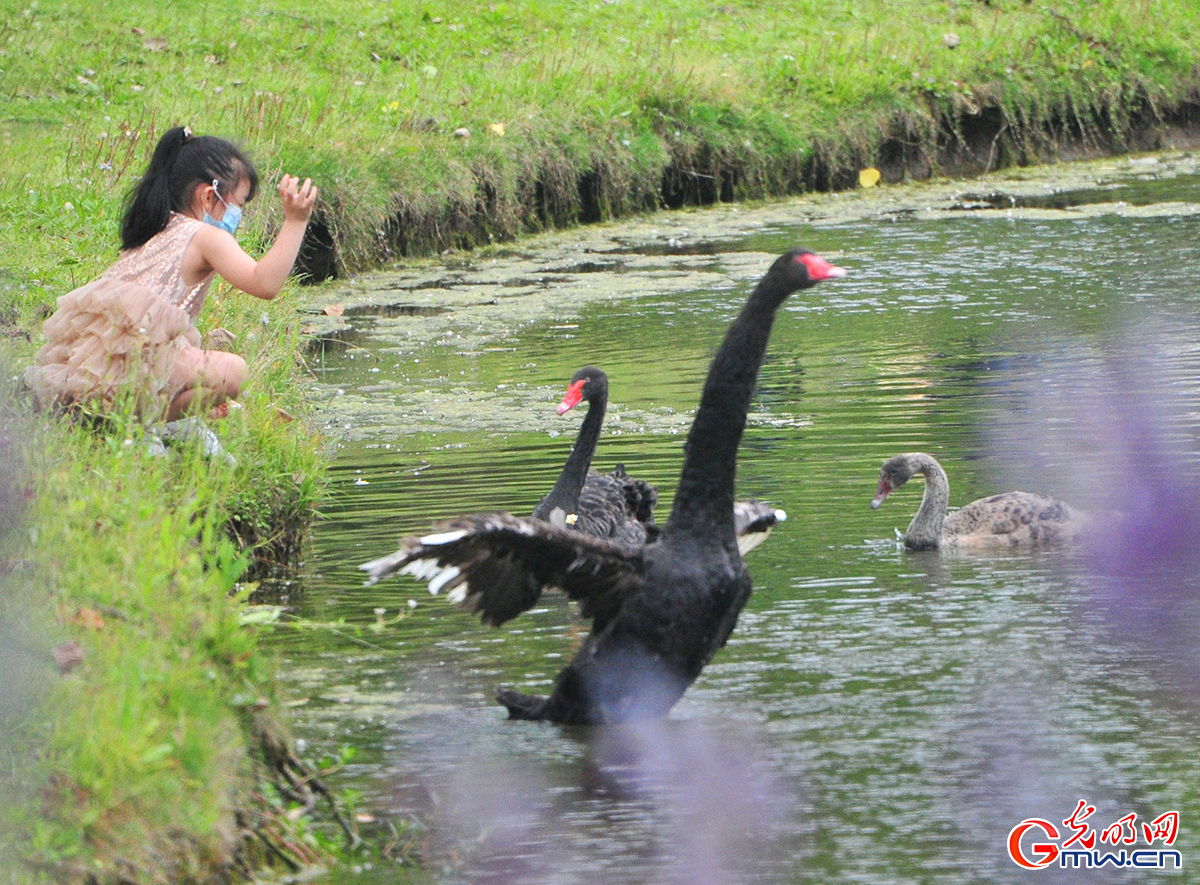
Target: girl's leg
point(188, 402)
point(208, 378)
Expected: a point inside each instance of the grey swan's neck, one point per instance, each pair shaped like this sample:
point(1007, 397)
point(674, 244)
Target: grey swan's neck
point(704, 500)
point(565, 494)
point(925, 530)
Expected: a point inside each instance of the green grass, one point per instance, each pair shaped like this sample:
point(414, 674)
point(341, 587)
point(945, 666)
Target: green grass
point(138, 763)
point(144, 762)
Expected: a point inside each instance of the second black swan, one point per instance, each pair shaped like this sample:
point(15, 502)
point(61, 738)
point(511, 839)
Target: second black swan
point(615, 505)
point(659, 611)
point(604, 505)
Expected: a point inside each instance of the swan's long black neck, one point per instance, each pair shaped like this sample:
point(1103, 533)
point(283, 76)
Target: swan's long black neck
point(704, 500)
point(565, 494)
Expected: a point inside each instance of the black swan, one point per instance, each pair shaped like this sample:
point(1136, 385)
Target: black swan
point(615, 505)
point(1010, 519)
point(660, 611)
point(612, 505)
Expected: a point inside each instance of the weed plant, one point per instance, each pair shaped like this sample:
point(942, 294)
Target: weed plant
point(143, 764)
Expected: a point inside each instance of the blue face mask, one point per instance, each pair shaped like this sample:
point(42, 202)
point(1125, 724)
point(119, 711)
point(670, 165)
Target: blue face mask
point(230, 220)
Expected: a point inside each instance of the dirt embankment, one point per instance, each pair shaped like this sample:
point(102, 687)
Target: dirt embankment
point(963, 139)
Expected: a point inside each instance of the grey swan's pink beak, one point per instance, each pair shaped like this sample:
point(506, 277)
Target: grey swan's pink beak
point(885, 489)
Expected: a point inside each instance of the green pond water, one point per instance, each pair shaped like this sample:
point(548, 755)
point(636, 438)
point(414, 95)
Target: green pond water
point(878, 716)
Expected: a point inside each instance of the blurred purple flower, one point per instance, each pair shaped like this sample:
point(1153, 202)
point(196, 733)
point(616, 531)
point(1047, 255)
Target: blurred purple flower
point(1117, 434)
point(659, 803)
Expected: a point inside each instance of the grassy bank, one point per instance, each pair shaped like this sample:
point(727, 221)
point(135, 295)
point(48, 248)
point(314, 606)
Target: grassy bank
point(576, 111)
point(143, 767)
point(138, 725)
point(140, 761)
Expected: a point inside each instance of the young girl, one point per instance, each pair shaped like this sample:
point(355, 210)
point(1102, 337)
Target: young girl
point(133, 329)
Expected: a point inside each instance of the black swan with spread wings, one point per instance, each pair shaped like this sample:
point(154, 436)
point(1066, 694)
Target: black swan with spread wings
point(659, 610)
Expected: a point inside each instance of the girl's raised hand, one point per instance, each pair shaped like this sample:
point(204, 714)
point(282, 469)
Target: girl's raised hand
point(298, 199)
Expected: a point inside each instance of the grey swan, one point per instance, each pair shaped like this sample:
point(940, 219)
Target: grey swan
point(659, 611)
point(615, 505)
point(1010, 519)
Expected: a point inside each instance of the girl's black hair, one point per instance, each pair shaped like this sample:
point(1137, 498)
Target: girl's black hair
point(180, 162)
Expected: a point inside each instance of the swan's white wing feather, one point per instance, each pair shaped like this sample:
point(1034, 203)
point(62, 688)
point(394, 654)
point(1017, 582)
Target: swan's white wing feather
point(746, 543)
point(444, 577)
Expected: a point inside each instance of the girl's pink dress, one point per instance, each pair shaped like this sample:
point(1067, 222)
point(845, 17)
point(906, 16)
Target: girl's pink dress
point(123, 333)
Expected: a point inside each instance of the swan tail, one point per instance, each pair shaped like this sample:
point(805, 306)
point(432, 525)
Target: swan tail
point(753, 521)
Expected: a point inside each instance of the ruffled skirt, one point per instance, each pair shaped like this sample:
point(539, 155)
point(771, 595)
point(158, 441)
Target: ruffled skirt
point(112, 341)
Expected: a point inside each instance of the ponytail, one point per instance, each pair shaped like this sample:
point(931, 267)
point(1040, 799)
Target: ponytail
point(181, 160)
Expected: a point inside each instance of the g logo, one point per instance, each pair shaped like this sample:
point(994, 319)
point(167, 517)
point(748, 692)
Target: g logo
point(1045, 853)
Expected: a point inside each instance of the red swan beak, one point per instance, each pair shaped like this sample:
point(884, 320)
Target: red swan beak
point(885, 489)
point(571, 400)
point(820, 269)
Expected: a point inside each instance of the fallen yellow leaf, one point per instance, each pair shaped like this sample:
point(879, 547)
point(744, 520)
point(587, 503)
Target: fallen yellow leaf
point(868, 177)
point(498, 128)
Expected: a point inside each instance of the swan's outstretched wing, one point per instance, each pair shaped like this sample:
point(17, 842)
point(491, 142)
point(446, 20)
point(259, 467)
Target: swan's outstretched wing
point(753, 521)
point(496, 565)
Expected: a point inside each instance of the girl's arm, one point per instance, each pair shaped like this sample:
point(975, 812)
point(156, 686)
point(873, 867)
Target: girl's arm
point(265, 277)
